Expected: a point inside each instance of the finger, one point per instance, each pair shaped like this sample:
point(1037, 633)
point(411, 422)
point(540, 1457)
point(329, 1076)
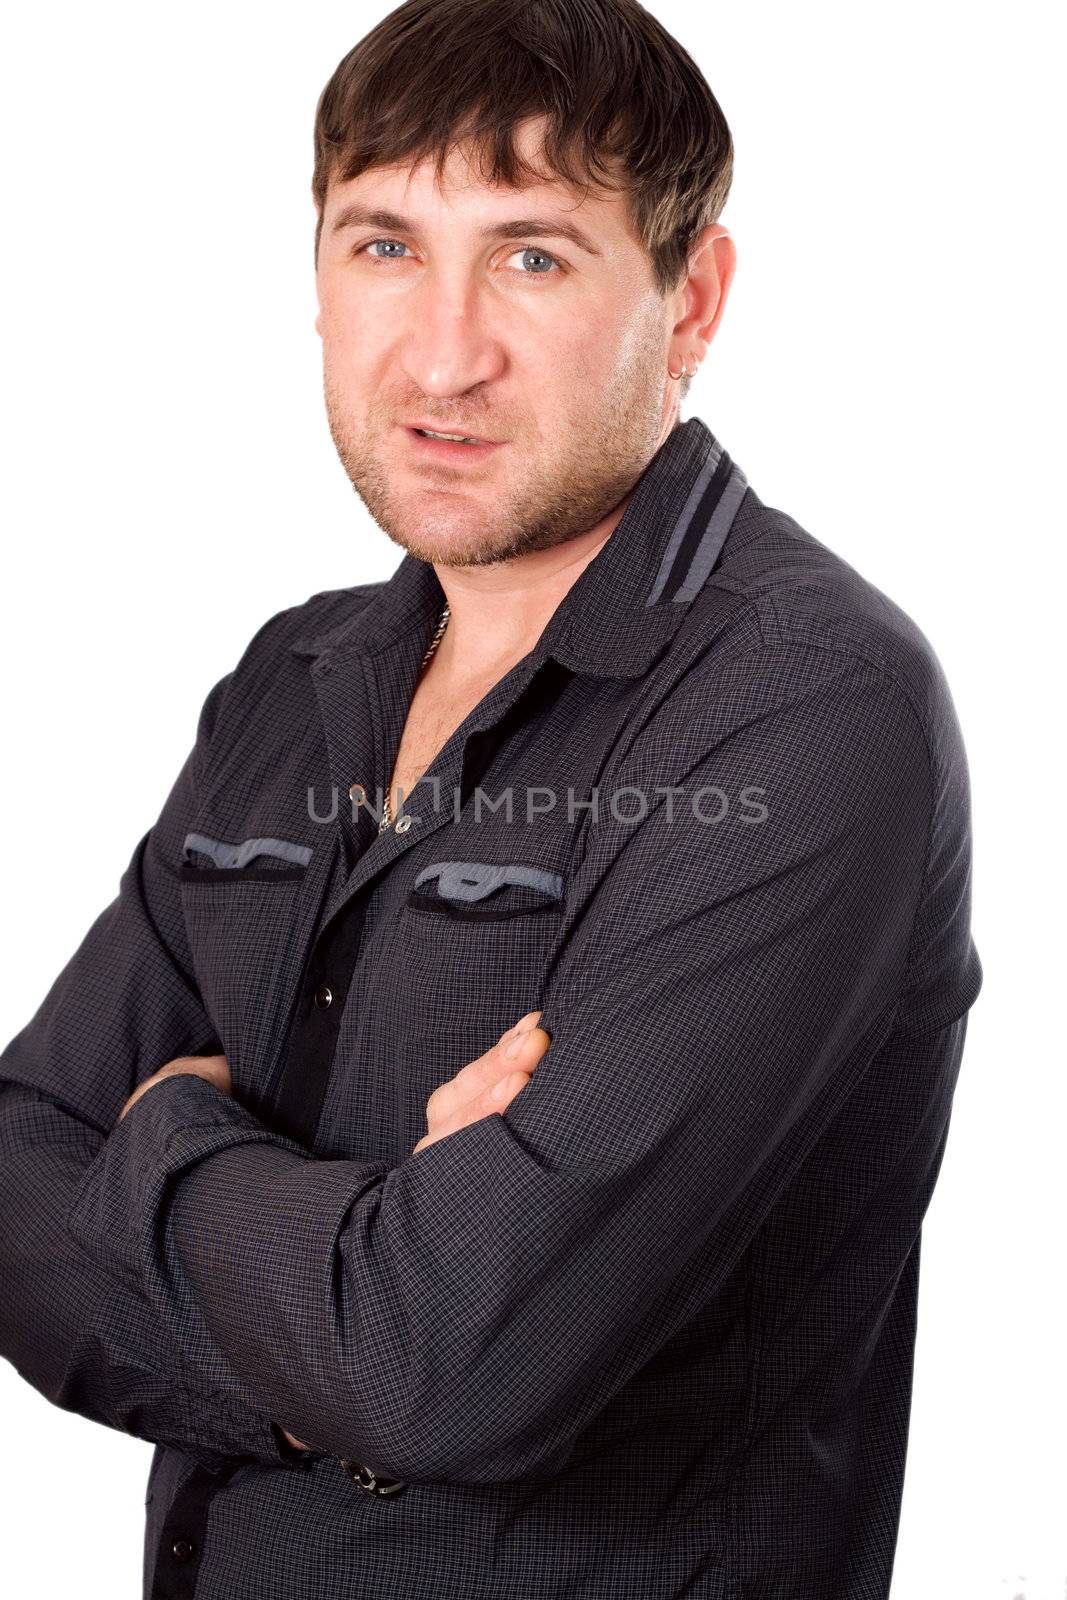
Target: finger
point(504, 1092)
point(477, 1074)
point(502, 1064)
point(184, 1063)
point(526, 1045)
point(213, 1069)
point(495, 1099)
point(527, 1020)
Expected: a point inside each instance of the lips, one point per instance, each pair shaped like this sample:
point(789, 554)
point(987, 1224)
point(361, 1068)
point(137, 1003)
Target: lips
point(447, 438)
point(448, 451)
point(450, 427)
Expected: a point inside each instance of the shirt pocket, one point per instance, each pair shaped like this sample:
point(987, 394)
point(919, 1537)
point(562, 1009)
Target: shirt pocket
point(474, 944)
point(249, 907)
point(486, 890)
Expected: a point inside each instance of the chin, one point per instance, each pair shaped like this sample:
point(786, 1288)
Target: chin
point(448, 548)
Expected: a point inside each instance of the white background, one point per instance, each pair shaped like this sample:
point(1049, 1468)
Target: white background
point(889, 371)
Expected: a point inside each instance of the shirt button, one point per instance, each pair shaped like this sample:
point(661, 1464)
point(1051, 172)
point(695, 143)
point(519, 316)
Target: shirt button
point(370, 1480)
point(323, 996)
point(181, 1549)
point(357, 793)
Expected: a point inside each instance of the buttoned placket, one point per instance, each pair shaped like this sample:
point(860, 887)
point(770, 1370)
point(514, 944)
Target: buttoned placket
point(306, 1061)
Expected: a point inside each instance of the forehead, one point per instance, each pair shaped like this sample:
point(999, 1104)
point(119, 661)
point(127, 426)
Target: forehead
point(464, 193)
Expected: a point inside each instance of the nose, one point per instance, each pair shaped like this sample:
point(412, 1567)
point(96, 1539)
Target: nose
point(448, 347)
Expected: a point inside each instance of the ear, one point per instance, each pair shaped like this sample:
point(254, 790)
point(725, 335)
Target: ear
point(702, 294)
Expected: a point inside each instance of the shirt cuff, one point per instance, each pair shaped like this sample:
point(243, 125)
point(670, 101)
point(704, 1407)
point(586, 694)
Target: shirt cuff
point(171, 1127)
point(240, 1431)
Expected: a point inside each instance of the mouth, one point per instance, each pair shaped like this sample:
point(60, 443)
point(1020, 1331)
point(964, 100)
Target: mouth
point(449, 445)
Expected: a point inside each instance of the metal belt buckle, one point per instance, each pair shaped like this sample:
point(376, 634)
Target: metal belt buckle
point(371, 1481)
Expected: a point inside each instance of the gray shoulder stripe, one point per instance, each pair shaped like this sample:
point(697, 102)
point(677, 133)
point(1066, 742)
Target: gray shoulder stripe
point(707, 551)
point(224, 854)
point(681, 527)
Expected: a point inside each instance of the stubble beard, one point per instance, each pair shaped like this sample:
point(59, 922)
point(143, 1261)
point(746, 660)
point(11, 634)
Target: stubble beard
point(591, 473)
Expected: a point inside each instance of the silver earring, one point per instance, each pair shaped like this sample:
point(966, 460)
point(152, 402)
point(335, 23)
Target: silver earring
point(685, 372)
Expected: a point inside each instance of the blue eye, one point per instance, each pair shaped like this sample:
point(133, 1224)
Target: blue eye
point(532, 250)
point(399, 243)
point(549, 266)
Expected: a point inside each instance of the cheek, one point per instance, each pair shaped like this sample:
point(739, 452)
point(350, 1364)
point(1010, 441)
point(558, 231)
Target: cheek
point(639, 336)
point(596, 347)
point(564, 360)
point(350, 332)
point(343, 342)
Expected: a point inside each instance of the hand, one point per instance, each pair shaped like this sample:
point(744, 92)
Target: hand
point(214, 1068)
point(487, 1084)
point(298, 1443)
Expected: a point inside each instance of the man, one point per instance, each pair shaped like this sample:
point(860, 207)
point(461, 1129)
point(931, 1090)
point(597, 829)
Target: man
point(485, 1144)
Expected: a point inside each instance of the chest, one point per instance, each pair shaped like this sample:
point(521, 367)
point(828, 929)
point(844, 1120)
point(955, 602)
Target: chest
point(444, 933)
point(437, 709)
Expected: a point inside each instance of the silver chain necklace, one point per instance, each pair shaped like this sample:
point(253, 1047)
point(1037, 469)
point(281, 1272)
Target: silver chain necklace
point(387, 808)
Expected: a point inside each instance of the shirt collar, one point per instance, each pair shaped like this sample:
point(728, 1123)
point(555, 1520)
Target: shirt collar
point(627, 603)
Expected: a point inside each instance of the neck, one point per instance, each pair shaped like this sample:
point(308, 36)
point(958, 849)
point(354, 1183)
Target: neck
point(499, 612)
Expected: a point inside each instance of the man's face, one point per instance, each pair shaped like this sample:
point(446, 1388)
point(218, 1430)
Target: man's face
point(445, 313)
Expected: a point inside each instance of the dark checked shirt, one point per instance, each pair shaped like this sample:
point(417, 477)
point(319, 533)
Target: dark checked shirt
point(647, 1332)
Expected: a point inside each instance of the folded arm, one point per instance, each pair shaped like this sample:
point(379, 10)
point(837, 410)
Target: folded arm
point(464, 1315)
point(123, 1005)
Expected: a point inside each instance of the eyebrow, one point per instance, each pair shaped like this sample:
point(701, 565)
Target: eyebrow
point(356, 216)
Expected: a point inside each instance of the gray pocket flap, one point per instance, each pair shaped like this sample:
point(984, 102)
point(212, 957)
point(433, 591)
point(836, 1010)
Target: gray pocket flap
point(474, 880)
point(225, 854)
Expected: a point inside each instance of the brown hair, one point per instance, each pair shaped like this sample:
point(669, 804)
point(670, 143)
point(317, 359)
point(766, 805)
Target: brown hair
point(616, 90)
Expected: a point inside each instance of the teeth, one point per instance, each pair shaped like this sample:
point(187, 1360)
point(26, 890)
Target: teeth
point(456, 438)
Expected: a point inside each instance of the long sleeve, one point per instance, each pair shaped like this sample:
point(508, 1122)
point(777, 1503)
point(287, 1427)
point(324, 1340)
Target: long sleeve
point(465, 1314)
point(124, 1004)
